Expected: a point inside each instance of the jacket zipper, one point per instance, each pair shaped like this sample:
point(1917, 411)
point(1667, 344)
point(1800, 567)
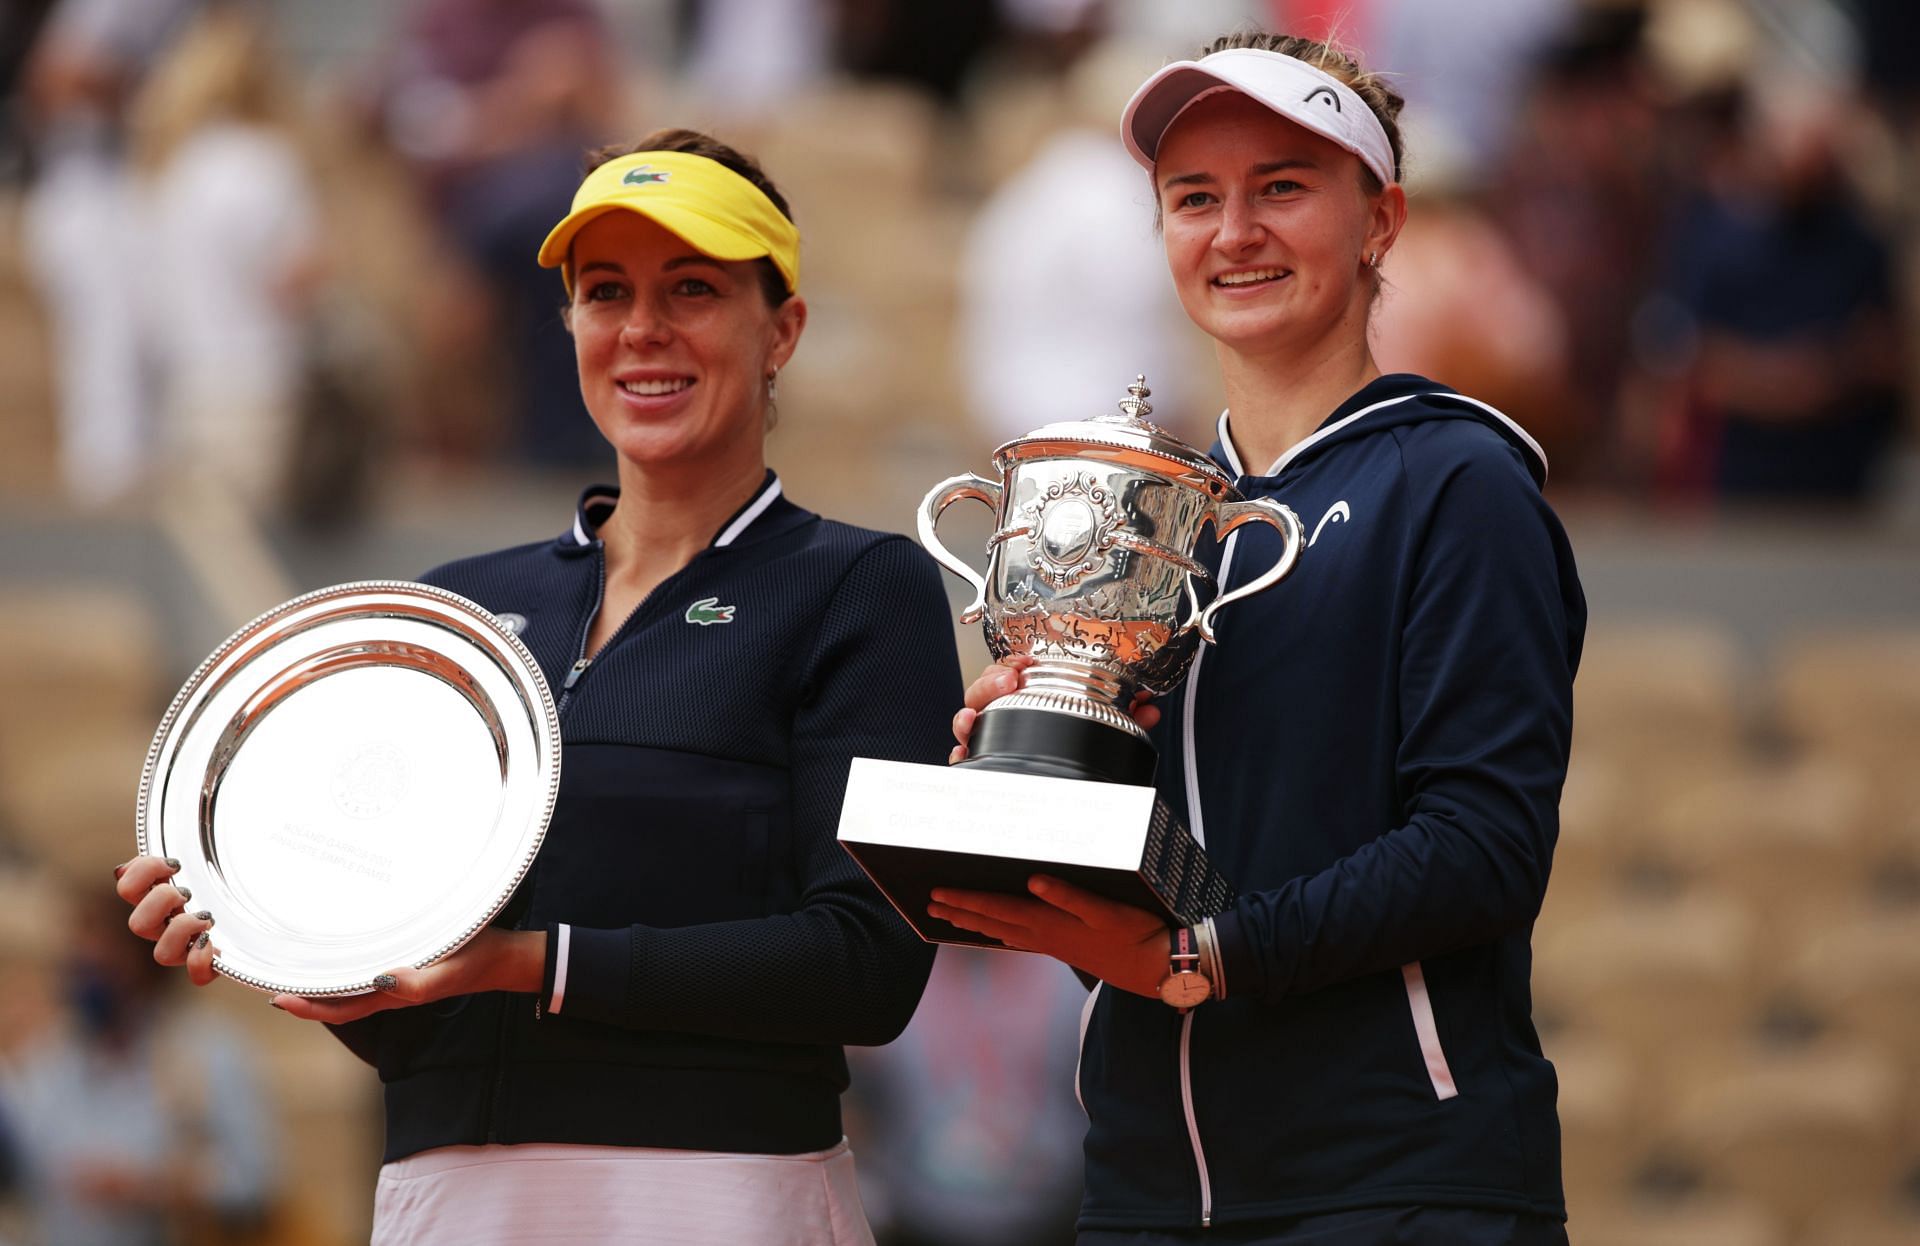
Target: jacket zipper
point(1196, 824)
point(1193, 1124)
point(581, 661)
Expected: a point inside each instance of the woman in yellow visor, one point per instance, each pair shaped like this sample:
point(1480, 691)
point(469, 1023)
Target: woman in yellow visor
point(646, 1048)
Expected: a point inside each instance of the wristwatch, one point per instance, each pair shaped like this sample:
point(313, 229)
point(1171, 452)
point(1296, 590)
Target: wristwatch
point(1185, 986)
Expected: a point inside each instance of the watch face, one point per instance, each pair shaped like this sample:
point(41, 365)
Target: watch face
point(1184, 990)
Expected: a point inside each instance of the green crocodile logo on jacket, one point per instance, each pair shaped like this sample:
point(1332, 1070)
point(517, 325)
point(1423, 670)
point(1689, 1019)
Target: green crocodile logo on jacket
point(709, 610)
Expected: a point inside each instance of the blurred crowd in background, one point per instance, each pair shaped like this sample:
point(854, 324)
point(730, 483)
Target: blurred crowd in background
point(270, 319)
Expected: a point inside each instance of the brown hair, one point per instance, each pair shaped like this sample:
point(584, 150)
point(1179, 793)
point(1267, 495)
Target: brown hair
point(694, 143)
point(1372, 88)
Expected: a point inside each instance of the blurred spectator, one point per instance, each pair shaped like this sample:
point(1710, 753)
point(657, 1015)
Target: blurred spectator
point(19, 30)
point(745, 58)
point(1457, 305)
point(474, 80)
point(1064, 294)
point(234, 247)
point(931, 44)
point(969, 1119)
point(133, 1125)
point(1581, 191)
point(491, 103)
point(1784, 291)
point(82, 230)
point(1463, 65)
point(1890, 39)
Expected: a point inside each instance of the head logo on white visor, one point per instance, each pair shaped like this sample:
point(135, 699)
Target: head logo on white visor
point(1308, 97)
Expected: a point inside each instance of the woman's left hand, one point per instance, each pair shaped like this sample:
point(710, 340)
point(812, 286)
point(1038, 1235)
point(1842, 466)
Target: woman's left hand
point(1114, 942)
point(495, 960)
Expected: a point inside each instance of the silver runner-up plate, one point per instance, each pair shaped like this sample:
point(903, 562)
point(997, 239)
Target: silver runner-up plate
point(355, 781)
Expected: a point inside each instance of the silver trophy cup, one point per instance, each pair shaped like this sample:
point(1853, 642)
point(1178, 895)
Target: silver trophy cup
point(1091, 573)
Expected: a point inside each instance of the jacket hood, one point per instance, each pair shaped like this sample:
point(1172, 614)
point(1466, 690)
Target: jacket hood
point(1388, 402)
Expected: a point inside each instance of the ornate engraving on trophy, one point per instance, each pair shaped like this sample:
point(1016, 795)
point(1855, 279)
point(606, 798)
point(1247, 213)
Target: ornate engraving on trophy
point(371, 781)
point(340, 853)
point(1074, 522)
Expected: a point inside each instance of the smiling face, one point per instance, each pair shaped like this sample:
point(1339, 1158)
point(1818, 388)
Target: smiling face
point(674, 348)
point(1267, 227)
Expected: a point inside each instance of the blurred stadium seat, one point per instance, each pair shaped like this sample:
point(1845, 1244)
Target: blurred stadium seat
point(1593, 844)
point(1857, 688)
point(1689, 1222)
point(1600, 1141)
point(1863, 975)
point(1895, 1222)
point(79, 689)
point(1656, 974)
point(1786, 836)
point(1665, 695)
point(1794, 1128)
point(76, 653)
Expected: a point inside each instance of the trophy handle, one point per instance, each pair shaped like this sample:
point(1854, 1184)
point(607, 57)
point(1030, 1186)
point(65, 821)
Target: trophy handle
point(1230, 515)
point(943, 495)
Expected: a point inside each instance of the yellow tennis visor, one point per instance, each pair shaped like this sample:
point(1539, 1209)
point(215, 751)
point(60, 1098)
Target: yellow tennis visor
point(700, 201)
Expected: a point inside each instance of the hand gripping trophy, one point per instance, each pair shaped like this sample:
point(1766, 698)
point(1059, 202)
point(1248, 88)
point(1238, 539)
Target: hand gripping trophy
point(1090, 572)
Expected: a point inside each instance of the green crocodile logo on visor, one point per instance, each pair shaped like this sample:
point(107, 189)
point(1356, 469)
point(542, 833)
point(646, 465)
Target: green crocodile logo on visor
point(708, 610)
point(643, 174)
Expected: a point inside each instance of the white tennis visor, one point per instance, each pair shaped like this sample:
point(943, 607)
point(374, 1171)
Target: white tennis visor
point(1306, 96)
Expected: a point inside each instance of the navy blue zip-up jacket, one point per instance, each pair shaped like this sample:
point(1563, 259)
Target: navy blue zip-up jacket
point(1373, 753)
point(710, 945)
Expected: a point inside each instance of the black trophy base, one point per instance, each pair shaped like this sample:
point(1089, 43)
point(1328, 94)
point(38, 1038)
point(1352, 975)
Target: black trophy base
point(913, 828)
point(1060, 746)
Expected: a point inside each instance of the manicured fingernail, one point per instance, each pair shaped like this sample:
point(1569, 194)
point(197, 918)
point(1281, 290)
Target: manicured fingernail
point(954, 756)
point(186, 893)
point(275, 1001)
point(203, 939)
point(385, 982)
point(205, 916)
point(172, 863)
point(118, 870)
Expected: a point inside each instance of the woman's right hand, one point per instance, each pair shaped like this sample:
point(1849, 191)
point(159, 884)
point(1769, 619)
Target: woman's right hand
point(160, 914)
point(1006, 676)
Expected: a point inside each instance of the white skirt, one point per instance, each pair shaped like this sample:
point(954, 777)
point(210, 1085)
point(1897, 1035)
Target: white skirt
point(562, 1194)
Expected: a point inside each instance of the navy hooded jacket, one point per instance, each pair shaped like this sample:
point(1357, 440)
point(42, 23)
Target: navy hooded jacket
point(1373, 753)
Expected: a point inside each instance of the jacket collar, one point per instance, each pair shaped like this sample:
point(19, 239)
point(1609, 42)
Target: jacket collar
point(763, 514)
point(1384, 402)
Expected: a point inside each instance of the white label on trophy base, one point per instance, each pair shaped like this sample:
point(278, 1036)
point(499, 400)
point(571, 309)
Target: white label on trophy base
point(995, 814)
point(915, 828)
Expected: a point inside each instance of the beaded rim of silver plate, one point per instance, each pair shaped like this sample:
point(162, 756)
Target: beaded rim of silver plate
point(355, 781)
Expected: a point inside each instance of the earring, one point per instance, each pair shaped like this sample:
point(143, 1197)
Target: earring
point(773, 389)
point(1373, 261)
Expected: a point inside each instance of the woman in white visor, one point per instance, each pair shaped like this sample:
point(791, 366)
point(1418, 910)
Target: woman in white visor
point(1373, 752)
